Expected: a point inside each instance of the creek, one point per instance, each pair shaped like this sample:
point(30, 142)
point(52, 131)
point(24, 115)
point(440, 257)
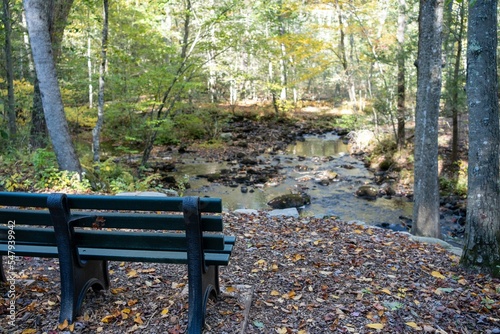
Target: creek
point(303, 166)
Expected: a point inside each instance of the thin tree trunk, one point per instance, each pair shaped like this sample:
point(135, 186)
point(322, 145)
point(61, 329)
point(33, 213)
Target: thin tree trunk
point(482, 236)
point(9, 69)
point(38, 130)
point(38, 27)
point(96, 132)
point(455, 88)
point(401, 74)
point(429, 62)
point(89, 68)
point(343, 55)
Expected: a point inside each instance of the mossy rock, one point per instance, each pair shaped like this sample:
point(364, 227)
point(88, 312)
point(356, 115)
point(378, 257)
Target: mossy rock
point(290, 201)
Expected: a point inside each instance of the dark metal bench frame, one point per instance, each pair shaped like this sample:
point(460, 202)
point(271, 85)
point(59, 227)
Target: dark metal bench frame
point(83, 268)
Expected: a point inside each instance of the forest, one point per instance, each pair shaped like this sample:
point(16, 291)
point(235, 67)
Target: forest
point(97, 80)
point(96, 96)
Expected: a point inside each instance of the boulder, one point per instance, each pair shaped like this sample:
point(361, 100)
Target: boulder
point(290, 201)
point(367, 192)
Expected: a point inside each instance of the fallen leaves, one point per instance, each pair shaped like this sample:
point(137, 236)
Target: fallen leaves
point(309, 276)
point(437, 274)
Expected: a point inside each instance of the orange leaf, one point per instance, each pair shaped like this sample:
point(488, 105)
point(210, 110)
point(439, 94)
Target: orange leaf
point(29, 331)
point(107, 319)
point(437, 274)
point(63, 325)
point(138, 319)
point(132, 273)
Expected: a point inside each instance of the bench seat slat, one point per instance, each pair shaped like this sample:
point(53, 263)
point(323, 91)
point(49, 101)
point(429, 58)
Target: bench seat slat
point(31, 250)
point(142, 240)
point(116, 239)
point(219, 259)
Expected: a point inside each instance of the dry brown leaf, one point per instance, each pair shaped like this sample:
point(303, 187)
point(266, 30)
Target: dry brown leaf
point(107, 319)
point(63, 325)
point(132, 273)
point(29, 331)
point(138, 319)
point(437, 274)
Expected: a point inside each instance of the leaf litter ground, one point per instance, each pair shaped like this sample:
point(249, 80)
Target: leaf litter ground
point(305, 275)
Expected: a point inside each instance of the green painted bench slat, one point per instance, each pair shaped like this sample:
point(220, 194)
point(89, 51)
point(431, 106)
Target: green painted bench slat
point(113, 239)
point(151, 221)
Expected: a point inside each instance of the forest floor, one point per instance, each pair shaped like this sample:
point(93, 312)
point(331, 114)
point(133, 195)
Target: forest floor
point(286, 275)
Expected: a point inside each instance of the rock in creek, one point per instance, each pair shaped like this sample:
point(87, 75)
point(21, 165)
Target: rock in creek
point(367, 192)
point(290, 201)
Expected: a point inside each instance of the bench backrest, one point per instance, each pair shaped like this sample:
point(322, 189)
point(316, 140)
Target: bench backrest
point(124, 222)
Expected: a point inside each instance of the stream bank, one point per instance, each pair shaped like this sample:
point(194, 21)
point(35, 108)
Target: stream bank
point(261, 161)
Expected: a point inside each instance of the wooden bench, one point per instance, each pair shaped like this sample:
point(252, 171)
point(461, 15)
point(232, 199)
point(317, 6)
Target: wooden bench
point(86, 231)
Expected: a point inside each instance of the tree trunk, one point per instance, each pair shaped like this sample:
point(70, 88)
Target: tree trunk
point(401, 74)
point(9, 69)
point(426, 189)
point(454, 93)
point(482, 237)
point(38, 130)
point(96, 132)
point(37, 12)
point(57, 14)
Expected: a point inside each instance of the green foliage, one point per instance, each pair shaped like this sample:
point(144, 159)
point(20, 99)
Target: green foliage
point(189, 126)
point(455, 184)
point(166, 134)
point(113, 177)
point(38, 171)
point(349, 122)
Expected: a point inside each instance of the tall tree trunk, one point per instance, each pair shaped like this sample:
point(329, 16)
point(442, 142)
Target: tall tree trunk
point(38, 130)
point(37, 12)
point(9, 69)
point(96, 132)
point(57, 14)
point(351, 90)
point(89, 69)
point(482, 238)
point(401, 74)
point(426, 189)
point(455, 87)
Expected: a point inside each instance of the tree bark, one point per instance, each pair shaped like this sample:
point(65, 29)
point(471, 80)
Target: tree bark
point(9, 69)
point(57, 14)
point(96, 132)
point(482, 238)
point(426, 189)
point(455, 88)
point(401, 74)
point(37, 14)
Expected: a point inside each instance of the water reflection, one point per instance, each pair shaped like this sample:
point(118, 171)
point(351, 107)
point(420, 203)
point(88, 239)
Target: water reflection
point(322, 146)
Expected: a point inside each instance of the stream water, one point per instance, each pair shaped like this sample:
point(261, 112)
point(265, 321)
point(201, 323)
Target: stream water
point(302, 166)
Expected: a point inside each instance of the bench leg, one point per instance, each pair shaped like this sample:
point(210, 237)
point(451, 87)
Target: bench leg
point(203, 280)
point(77, 276)
point(201, 288)
point(76, 281)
